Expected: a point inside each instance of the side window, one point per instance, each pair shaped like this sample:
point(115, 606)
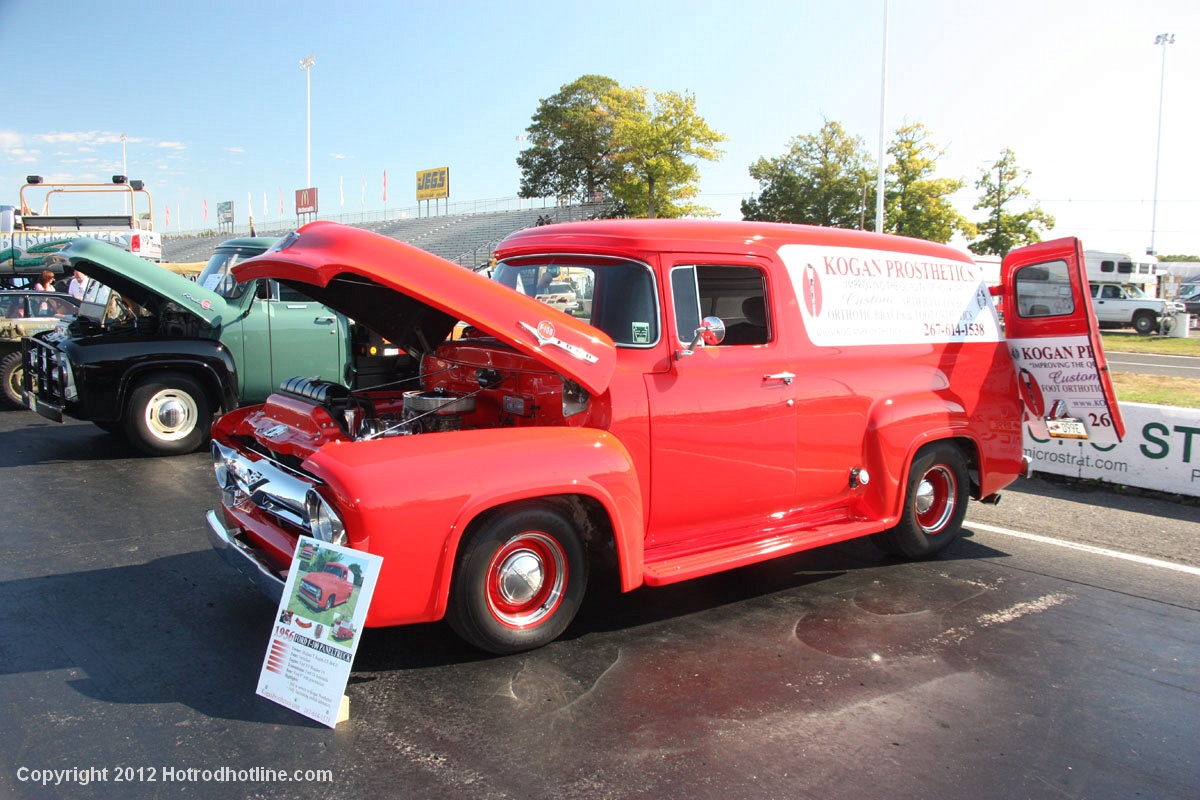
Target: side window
point(735, 294)
point(1044, 290)
point(620, 301)
point(287, 294)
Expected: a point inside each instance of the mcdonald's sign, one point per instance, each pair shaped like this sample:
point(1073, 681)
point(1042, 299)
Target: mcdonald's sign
point(306, 201)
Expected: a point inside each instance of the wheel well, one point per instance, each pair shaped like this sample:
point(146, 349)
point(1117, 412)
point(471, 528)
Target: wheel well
point(200, 373)
point(588, 516)
point(970, 453)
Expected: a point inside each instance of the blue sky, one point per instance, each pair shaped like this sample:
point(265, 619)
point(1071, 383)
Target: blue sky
point(212, 100)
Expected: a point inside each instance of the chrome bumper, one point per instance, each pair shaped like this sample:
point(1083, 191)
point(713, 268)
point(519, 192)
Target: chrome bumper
point(242, 558)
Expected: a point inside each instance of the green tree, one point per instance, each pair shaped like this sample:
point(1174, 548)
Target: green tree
point(823, 179)
point(915, 202)
point(570, 151)
point(1004, 229)
point(656, 145)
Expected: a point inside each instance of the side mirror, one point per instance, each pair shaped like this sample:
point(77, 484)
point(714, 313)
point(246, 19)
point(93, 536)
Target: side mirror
point(710, 334)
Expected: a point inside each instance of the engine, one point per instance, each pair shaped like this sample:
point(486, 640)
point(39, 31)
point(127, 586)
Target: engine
point(459, 388)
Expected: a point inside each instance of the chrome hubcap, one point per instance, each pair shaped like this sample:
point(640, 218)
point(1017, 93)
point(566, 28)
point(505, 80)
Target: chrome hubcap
point(171, 414)
point(521, 577)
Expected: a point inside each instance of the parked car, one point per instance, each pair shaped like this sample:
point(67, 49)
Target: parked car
point(1190, 297)
point(24, 312)
point(560, 295)
point(155, 356)
point(1126, 305)
point(642, 440)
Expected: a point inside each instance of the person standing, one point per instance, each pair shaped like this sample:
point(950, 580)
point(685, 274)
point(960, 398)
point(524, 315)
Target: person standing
point(46, 284)
point(77, 285)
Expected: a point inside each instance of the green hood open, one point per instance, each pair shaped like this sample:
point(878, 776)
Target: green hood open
point(141, 281)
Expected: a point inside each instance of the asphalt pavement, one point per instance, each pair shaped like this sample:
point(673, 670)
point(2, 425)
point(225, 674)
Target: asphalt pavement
point(1054, 651)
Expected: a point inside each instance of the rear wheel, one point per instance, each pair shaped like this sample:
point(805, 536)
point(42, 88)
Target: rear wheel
point(168, 415)
point(10, 374)
point(519, 580)
point(935, 503)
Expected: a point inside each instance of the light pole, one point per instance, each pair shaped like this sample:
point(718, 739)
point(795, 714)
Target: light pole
point(1163, 39)
point(882, 125)
point(125, 172)
point(306, 64)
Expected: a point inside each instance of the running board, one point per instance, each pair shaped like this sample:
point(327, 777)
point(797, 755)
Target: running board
point(672, 569)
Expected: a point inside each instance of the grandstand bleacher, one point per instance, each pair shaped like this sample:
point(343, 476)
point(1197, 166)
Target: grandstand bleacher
point(466, 239)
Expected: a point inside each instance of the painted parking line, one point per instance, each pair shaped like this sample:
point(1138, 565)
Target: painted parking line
point(1086, 548)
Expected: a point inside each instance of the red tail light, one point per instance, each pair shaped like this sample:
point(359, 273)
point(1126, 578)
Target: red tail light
point(135, 243)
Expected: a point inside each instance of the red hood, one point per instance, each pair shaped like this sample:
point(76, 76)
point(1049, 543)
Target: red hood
point(413, 298)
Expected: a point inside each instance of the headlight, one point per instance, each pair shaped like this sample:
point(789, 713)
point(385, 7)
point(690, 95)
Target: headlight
point(323, 521)
point(221, 467)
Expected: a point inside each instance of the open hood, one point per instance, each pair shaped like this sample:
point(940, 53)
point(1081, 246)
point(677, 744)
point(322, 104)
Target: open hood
point(413, 298)
point(141, 281)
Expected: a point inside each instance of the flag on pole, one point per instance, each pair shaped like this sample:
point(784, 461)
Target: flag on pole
point(205, 212)
point(385, 187)
point(167, 207)
point(281, 202)
point(266, 208)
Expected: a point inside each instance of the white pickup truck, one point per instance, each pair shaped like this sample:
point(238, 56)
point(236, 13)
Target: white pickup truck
point(1126, 305)
point(27, 235)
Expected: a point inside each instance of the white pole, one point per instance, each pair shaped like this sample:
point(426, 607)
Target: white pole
point(306, 65)
point(1163, 39)
point(125, 172)
point(882, 124)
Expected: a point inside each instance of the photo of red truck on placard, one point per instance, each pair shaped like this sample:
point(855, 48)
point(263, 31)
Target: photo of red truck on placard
point(330, 587)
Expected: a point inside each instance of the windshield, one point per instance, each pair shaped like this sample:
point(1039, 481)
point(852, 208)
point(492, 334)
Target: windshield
point(104, 306)
point(616, 296)
point(217, 276)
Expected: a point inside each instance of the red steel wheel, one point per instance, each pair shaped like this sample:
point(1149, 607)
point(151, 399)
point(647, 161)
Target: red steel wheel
point(935, 503)
point(526, 579)
point(518, 580)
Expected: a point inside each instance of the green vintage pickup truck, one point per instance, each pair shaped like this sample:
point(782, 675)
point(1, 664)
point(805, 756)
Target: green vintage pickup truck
point(155, 357)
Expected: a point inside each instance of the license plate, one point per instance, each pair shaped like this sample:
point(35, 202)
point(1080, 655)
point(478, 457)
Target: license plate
point(1066, 429)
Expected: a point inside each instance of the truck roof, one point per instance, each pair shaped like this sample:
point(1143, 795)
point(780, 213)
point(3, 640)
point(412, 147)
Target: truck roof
point(713, 236)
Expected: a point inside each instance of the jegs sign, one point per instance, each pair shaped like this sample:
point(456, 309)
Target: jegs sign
point(433, 184)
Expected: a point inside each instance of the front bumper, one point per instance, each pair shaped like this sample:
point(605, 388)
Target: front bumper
point(242, 558)
point(37, 405)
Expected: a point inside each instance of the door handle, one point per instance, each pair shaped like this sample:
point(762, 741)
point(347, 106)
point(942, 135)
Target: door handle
point(786, 377)
point(323, 321)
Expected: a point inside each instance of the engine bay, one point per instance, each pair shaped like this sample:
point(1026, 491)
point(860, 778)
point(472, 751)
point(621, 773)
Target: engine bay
point(460, 386)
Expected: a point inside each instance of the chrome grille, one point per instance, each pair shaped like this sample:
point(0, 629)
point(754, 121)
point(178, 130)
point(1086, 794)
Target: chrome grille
point(267, 484)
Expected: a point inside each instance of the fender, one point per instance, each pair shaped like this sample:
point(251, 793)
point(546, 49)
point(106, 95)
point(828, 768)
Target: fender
point(418, 530)
point(900, 426)
point(105, 381)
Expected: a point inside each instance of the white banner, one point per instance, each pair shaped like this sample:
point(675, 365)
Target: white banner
point(1060, 386)
point(1161, 451)
point(850, 296)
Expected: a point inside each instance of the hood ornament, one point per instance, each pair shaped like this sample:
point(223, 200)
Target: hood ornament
point(544, 333)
